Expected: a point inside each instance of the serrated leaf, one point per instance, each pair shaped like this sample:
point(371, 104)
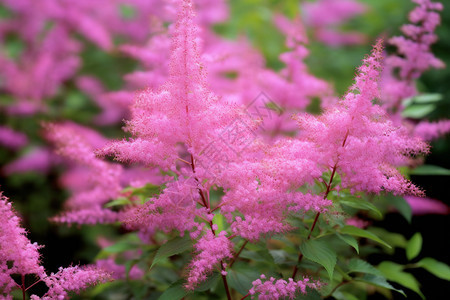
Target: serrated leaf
point(418, 111)
point(172, 247)
point(430, 170)
point(394, 272)
point(175, 291)
point(414, 246)
point(310, 294)
point(363, 204)
point(360, 266)
point(402, 206)
point(379, 281)
point(437, 268)
point(355, 231)
point(349, 240)
point(321, 253)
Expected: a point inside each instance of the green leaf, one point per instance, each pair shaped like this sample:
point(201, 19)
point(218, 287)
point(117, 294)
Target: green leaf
point(414, 246)
point(421, 99)
point(361, 203)
point(310, 294)
point(360, 266)
point(349, 240)
point(241, 279)
point(208, 283)
point(430, 170)
point(128, 242)
point(403, 207)
point(175, 291)
point(394, 272)
point(175, 246)
point(379, 281)
point(118, 202)
point(355, 231)
point(437, 268)
point(130, 264)
point(418, 111)
point(321, 253)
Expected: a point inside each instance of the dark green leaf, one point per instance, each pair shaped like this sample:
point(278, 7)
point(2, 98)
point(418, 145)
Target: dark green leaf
point(175, 291)
point(208, 283)
point(241, 279)
point(172, 247)
point(403, 207)
point(355, 231)
point(414, 246)
point(430, 170)
point(379, 281)
point(321, 253)
point(310, 294)
point(422, 99)
point(435, 267)
point(394, 272)
point(349, 240)
point(361, 203)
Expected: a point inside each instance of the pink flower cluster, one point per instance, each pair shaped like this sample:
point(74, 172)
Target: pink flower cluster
point(325, 15)
point(18, 256)
point(211, 250)
point(280, 289)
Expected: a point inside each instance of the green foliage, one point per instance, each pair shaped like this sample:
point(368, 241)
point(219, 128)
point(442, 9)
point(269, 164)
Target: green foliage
point(320, 252)
point(176, 246)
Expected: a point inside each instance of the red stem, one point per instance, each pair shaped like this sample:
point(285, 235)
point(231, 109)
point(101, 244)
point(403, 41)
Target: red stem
point(206, 204)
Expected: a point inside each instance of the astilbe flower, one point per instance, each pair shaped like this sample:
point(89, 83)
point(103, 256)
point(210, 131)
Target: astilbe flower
point(86, 204)
point(211, 249)
point(182, 110)
point(325, 15)
point(293, 87)
point(174, 209)
point(12, 139)
point(358, 141)
point(280, 289)
point(71, 279)
point(413, 55)
point(18, 256)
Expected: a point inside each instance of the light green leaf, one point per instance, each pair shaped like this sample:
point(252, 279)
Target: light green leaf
point(361, 203)
point(175, 246)
point(321, 253)
point(394, 272)
point(176, 291)
point(414, 246)
point(360, 266)
point(118, 202)
point(355, 231)
point(403, 207)
point(430, 170)
point(437, 268)
point(349, 240)
point(418, 111)
point(422, 99)
point(379, 281)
